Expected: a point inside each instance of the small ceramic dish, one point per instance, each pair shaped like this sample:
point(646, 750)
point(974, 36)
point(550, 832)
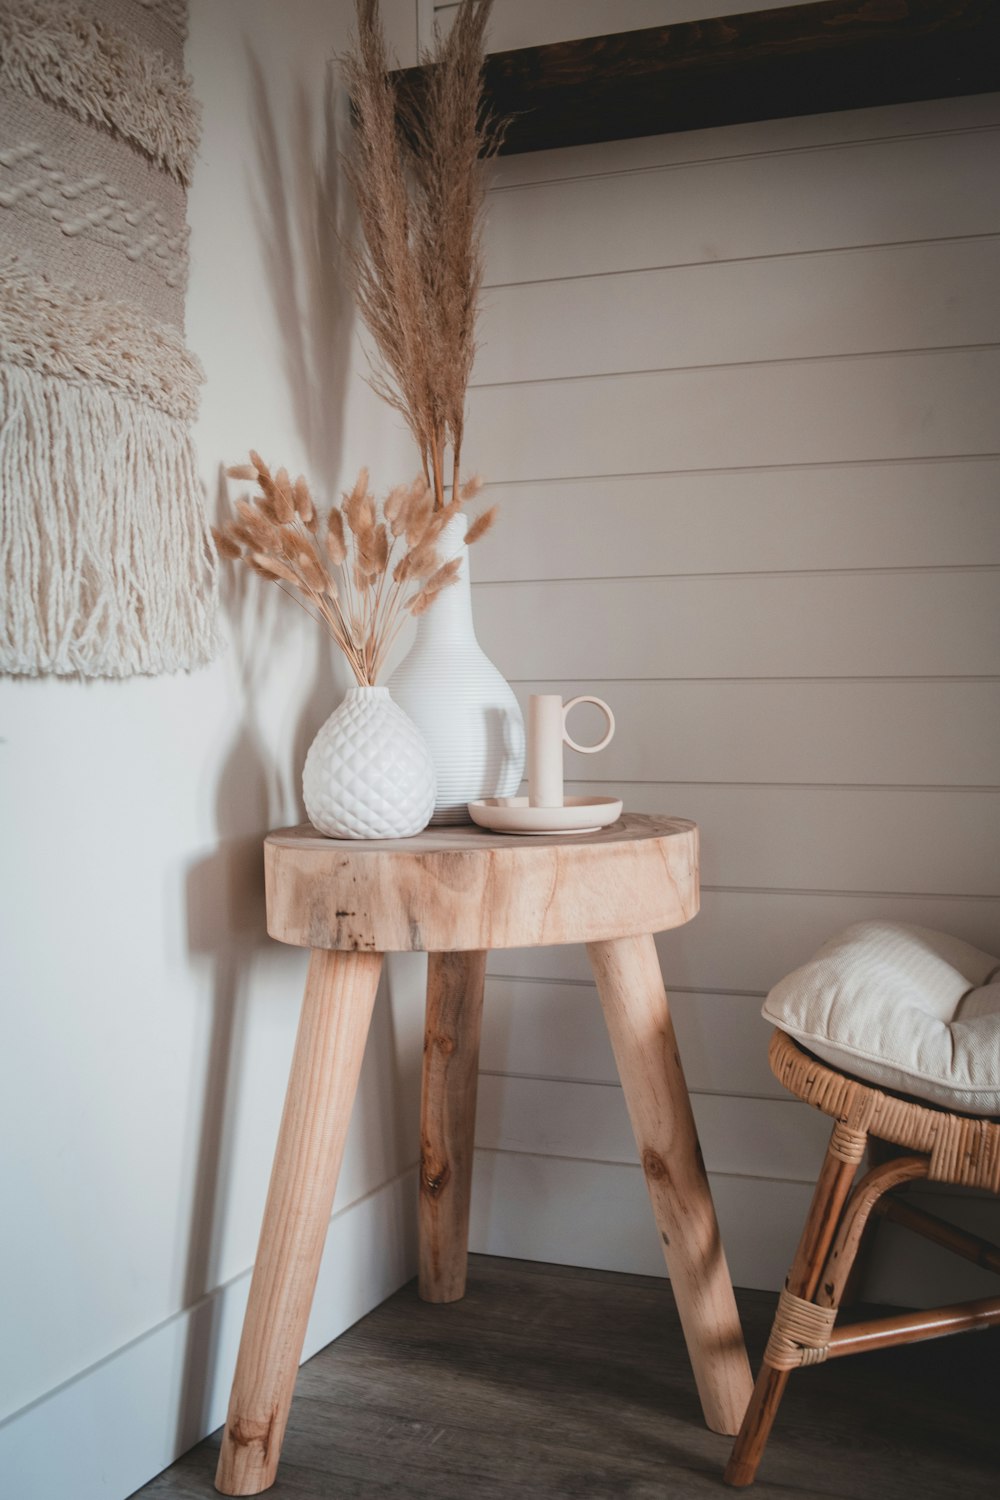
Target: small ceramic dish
point(516, 815)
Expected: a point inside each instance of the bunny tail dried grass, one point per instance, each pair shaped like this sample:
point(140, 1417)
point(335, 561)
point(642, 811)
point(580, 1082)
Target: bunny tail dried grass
point(418, 517)
point(304, 504)
point(445, 576)
point(226, 545)
point(481, 525)
point(282, 500)
point(363, 545)
point(276, 569)
point(394, 506)
point(336, 543)
point(359, 513)
point(258, 527)
point(380, 548)
point(360, 489)
point(442, 578)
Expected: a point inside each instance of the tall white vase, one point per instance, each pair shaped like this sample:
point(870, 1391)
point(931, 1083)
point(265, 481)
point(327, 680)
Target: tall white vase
point(368, 773)
point(458, 700)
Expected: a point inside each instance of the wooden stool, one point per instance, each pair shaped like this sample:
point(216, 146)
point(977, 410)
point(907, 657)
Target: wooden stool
point(942, 1146)
point(456, 893)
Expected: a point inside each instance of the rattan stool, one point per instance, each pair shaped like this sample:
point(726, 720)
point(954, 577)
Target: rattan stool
point(941, 1146)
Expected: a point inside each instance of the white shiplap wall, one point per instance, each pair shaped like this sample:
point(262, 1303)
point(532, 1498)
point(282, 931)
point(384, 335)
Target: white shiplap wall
point(738, 396)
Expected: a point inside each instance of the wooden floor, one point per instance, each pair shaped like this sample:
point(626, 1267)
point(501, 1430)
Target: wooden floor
point(554, 1382)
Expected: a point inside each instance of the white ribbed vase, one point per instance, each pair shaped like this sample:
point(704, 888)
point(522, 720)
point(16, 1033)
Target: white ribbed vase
point(458, 700)
point(368, 773)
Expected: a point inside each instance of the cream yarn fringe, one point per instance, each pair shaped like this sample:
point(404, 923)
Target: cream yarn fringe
point(105, 558)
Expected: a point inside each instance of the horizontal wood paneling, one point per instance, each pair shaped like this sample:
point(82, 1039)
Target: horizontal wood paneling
point(878, 515)
point(580, 1213)
point(745, 941)
point(544, 1029)
point(878, 192)
point(876, 839)
point(734, 400)
point(823, 411)
point(779, 1138)
point(919, 732)
point(846, 302)
point(785, 625)
point(806, 133)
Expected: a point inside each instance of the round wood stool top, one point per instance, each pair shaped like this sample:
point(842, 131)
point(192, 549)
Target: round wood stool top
point(450, 890)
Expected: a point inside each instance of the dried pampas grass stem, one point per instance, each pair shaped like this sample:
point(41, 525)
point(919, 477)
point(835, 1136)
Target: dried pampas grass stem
point(417, 173)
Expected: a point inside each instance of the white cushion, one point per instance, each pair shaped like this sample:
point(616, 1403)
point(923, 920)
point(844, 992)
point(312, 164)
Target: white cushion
point(902, 1007)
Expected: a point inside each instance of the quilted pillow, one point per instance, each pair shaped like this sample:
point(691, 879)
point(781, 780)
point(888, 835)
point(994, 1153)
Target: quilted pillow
point(901, 1007)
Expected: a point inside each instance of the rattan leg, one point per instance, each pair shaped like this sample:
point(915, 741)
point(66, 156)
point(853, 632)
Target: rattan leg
point(781, 1357)
point(854, 1231)
point(877, 1154)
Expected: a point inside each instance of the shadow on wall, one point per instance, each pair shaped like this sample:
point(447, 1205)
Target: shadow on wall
point(298, 194)
point(305, 218)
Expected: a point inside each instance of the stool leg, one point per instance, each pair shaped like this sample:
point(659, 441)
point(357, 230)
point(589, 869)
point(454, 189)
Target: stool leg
point(448, 1119)
point(878, 1152)
point(336, 1011)
point(628, 977)
point(831, 1193)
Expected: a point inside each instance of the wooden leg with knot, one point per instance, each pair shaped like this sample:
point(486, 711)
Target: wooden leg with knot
point(628, 977)
point(800, 1328)
point(336, 1012)
point(448, 1120)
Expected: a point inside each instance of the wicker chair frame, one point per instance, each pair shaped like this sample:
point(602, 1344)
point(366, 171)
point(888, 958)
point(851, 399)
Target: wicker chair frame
point(938, 1145)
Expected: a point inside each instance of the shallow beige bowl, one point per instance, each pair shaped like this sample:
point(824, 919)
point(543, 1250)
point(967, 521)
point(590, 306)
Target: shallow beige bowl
point(515, 815)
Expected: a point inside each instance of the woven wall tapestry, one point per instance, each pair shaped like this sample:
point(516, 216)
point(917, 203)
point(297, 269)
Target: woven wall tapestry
point(106, 567)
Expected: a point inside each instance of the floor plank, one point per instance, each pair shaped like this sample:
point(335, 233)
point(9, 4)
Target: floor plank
point(556, 1383)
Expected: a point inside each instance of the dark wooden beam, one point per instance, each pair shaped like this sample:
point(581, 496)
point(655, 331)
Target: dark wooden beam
point(766, 64)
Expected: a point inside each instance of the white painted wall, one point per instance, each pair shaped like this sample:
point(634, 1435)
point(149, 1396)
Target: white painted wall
point(738, 398)
point(147, 1019)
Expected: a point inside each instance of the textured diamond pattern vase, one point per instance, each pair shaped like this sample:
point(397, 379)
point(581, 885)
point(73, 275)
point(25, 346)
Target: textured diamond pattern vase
point(369, 773)
point(458, 700)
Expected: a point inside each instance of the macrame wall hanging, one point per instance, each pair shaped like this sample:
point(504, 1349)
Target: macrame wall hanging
point(106, 568)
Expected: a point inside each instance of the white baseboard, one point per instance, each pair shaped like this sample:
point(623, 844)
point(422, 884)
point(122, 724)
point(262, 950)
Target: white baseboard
point(103, 1434)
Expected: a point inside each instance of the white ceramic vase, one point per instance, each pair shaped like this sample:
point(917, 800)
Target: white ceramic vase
point(368, 773)
point(458, 700)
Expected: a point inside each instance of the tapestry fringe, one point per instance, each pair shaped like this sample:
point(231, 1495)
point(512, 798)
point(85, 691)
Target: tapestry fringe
point(107, 566)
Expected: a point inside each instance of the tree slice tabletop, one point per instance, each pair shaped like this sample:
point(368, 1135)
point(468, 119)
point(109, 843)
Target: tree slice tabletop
point(457, 889)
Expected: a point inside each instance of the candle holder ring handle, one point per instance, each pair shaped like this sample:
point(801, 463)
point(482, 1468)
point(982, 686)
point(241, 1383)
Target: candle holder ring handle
point(598, 703)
